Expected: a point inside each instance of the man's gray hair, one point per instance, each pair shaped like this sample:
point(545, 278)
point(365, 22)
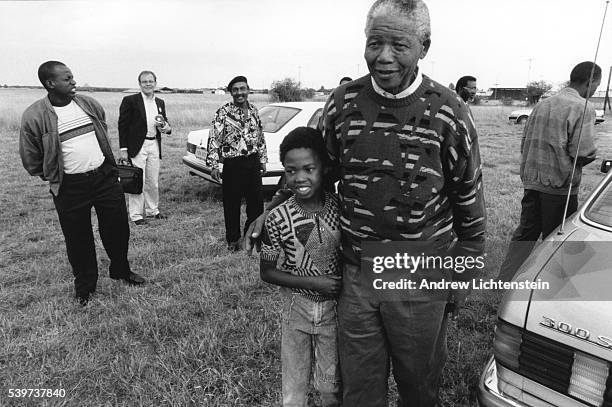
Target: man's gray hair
point(414, 10)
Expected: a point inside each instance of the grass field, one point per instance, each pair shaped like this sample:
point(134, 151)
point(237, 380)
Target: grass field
point(204, 331)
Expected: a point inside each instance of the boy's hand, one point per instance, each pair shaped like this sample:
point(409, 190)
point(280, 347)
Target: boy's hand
point(328, 285)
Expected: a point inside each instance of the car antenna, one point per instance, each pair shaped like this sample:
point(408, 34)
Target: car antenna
point(586, 102)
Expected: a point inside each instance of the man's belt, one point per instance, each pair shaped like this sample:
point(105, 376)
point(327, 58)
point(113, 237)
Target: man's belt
point(150, 138)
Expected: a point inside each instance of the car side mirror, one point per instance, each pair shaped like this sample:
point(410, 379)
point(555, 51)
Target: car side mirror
point(605, 166)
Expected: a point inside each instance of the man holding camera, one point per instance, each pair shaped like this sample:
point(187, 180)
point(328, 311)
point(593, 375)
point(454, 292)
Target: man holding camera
point(142, 119)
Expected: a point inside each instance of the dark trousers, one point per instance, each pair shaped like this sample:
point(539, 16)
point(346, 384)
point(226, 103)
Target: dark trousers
point(77, 195)
point(241, 178)
point(541, 214)
point(372, 333)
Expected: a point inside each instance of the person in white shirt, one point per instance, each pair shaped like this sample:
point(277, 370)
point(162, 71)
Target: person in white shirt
point(63, 139)
point(142, 120)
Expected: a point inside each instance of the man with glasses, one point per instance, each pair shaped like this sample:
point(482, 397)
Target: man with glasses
point(142, 119)
point(466, 88)
point(236, 140)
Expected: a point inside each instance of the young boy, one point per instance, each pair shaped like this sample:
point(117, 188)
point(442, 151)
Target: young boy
point(306, 229)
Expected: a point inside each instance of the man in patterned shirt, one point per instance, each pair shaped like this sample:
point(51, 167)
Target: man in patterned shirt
point(409, 171)
point(63, 139)
point(236, 139)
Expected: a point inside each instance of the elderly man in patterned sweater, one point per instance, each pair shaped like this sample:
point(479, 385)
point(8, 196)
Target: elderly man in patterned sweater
point(409, 168)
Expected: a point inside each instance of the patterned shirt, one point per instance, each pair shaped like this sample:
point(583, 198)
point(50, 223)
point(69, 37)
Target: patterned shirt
point(309, 241)
point(409, 168)
point(235, 134)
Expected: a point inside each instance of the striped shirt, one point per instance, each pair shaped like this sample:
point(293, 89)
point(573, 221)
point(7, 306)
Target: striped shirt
point(409, 168)
point(80, 149)
point(309, 241)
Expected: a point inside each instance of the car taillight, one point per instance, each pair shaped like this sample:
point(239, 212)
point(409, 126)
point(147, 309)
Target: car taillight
point(588, 380)
point(191, 148)
point(507, 345)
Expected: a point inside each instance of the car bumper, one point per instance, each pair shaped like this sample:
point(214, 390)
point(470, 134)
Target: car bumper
point(197, 167)
point(501, 387)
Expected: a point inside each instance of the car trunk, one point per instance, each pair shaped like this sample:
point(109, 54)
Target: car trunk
point(577, 308)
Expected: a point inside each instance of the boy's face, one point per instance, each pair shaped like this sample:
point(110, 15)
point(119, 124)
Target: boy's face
point(304, 173)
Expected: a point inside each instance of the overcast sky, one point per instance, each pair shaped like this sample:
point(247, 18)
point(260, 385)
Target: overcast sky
point(205, 43)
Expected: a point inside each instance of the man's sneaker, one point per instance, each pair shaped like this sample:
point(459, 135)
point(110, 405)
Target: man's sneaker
point(140, 222)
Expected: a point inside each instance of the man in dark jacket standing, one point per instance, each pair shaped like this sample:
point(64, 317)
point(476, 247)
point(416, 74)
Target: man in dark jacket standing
point(63, 139)
point(142, 119)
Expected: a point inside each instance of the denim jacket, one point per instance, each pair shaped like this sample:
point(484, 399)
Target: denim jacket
point(39, 142)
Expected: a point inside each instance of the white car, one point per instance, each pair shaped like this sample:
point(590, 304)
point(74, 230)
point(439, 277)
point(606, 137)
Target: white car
point(553, 347)
point(521, 116)
point(277, 120)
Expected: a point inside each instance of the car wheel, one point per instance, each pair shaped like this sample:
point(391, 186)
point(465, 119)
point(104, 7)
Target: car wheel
point(522, 119)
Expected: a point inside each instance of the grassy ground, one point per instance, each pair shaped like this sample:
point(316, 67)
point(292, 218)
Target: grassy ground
point(204, 331)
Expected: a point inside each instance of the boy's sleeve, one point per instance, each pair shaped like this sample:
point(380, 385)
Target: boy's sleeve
point(271, 241)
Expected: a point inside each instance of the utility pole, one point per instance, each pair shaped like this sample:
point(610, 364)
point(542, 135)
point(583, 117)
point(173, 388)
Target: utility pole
point(607, 99)
point(299, 75)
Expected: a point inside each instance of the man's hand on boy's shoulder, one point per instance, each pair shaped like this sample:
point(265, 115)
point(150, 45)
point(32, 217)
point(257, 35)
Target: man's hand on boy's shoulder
point(328, 285)
point(252, 237)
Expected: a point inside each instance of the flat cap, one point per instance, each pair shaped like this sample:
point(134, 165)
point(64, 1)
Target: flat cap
point(238, 78)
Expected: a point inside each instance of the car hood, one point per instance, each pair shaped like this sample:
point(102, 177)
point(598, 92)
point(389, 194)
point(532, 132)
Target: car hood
point(200, 138)
point(576, 310)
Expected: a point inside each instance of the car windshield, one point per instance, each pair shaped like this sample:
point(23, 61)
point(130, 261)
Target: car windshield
point(275, 117)
point(600, 210)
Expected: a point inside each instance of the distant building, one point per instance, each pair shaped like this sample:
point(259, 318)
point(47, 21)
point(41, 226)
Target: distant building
point(218, 91)
point(498, 93)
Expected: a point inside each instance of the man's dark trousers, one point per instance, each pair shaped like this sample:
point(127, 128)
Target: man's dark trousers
point(241, 178)
point(541, 214)
point(77, 195)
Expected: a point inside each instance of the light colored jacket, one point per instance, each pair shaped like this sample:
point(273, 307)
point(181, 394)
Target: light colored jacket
point(550, 143)
point(39, 142)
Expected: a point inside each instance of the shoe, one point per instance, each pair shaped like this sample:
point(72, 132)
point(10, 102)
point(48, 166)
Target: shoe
point(234, 246)
point(140, 222)
point(132, 279)
point(83, 300)
point(159, 216)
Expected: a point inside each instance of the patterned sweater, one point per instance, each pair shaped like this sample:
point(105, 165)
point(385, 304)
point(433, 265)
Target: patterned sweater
point(409, 168)
point(309, 241)
point(550, 143)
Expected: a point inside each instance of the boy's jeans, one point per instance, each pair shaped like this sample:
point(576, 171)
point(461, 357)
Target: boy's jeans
point(309, 330)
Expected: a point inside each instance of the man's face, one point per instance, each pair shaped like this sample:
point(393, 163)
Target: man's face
point(392, 52)
point(469, 91)
point(240, 93)
point(62, 84)
point(147, 84)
